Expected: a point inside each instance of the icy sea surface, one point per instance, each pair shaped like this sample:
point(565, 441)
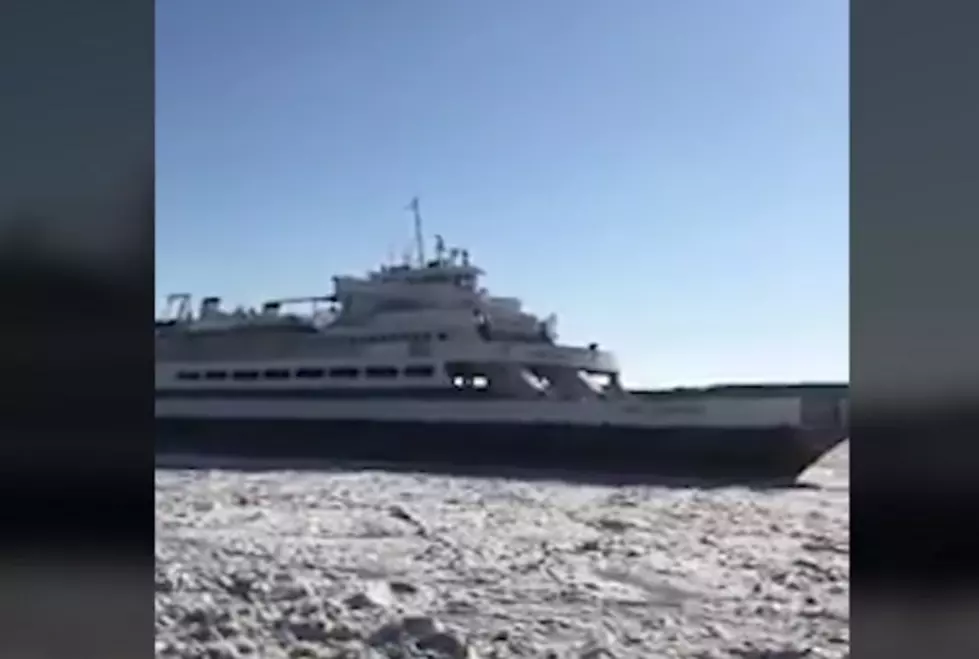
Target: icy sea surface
point(371, 564)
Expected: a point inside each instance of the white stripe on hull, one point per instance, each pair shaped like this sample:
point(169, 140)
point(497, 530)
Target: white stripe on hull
point(738, 414)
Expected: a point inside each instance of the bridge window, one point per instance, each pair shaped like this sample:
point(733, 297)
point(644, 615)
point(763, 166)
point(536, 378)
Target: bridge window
point(310, 373)
point(347, 373)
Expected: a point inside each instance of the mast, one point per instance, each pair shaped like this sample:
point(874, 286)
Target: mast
point(415, 208)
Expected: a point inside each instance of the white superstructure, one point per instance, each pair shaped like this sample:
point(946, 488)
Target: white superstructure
point(420, 339)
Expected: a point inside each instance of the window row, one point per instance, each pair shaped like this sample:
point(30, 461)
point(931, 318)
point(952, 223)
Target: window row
point(344, 373)
point(421, 337)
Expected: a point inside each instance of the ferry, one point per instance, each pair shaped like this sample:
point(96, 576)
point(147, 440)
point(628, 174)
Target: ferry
point(417, 363)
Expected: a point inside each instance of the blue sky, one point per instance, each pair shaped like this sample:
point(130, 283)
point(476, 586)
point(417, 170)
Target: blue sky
point(669, 177)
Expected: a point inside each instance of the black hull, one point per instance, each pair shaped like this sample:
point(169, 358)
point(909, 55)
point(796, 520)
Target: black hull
point(716, 454)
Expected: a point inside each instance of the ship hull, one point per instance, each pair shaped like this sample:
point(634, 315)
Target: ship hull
point(730, 454)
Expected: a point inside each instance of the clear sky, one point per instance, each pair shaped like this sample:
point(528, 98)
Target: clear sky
point(669, 176)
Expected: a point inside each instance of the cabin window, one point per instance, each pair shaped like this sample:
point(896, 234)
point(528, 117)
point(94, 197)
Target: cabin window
point(216, 375)
point(443, 336)
point(310, 373)
point(419, 371)
point(277, 374)
point(244, 375)
point(381, 372)
point(343, 372)
point(188, 375)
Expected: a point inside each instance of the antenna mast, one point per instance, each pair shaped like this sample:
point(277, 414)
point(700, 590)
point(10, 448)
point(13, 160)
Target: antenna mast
point(415, 208)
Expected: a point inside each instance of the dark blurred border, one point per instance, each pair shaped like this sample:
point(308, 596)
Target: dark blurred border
point(76, 279)
point(914, 327)
point(76, 223)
